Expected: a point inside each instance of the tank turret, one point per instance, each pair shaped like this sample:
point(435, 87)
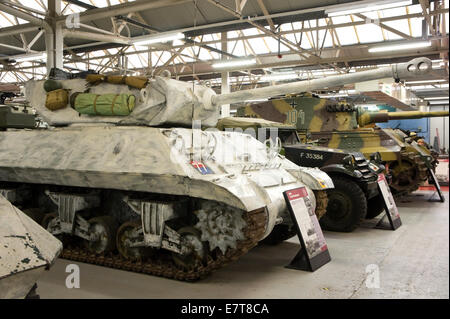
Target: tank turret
point(340, 116)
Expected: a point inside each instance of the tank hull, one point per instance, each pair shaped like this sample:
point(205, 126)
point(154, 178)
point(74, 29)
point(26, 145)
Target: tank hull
point(155, 178)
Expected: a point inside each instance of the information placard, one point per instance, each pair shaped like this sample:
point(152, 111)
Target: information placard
point(389, 204)
point(314, 251)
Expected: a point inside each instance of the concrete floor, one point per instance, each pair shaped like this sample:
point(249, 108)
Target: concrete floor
point(413, 262)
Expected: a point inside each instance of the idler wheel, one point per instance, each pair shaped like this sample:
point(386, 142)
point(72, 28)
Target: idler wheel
point(191, 239)
point(127, 235)
point(49, 223)
point(103, 229)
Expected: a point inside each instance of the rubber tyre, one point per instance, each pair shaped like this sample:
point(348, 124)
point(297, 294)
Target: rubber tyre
point(347, 195)
point(375, 206)
point(279, 234)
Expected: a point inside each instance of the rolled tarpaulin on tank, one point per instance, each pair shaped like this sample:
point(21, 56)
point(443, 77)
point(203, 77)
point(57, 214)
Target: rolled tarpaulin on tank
point(138, 82)
point(116, 79)
point(95, 79)
point(105, 104)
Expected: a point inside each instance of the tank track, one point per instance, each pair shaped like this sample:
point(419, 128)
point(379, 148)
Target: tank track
point(321, 203)
point(421, 174)
point(162, 265)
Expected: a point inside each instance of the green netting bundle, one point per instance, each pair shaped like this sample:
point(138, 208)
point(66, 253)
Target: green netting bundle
point(105, 104)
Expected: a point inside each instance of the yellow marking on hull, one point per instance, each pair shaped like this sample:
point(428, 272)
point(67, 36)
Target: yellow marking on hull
point(316, 122)
point(334, 141)
point(249, 111)
point(282, 106)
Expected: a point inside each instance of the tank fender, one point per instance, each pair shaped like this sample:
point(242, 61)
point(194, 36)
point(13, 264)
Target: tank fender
point(314, 178)
point(341, 169)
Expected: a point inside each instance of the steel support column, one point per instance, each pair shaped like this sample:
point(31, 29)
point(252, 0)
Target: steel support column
point(225, 109)
point(54, 40)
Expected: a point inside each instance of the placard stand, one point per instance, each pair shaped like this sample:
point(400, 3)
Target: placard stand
point(437, 186)
point(313, 253)
point(390, 208)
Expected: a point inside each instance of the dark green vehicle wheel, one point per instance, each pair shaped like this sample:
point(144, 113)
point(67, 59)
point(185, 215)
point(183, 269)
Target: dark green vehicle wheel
point(347, 206)
point(375, 206)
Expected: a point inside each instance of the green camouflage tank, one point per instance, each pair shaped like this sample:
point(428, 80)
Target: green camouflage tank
point(340, 125)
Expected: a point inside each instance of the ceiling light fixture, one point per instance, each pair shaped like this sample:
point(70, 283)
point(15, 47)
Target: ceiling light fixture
point(439, 102)
point(367, 6)
point(159, 38)
point(233, 63)
point(400, 46)
point(424, 81)
point(324, 96)
point(279, 77)
point(436, 98)
point(30, 57)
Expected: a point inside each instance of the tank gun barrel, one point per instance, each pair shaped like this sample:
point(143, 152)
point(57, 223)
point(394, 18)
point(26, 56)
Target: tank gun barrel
point(365, 118)
point(413, 68)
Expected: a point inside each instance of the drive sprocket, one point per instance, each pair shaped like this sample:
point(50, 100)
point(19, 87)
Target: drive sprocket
point(408, 173)
point(220, 225)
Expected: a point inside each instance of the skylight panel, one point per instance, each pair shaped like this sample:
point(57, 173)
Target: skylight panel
point(347, 35)
point(258, 46)
point(415, 8)
point(204, 55)
point(164, 58)
point(369, 33)
point(400, 25)
point(416, 27)
point(393, 12)
point(305, 43)
point(342, 19)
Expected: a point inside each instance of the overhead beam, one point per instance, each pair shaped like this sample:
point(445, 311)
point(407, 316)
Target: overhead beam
point(383, 26)
point(23, 15)
point(125, 8)
point(266, 13)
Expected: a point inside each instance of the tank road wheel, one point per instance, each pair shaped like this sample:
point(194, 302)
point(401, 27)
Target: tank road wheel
point(127, 235)
point(347, 206)
point(104, 229)
point(190, 238)
point(375, 206)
